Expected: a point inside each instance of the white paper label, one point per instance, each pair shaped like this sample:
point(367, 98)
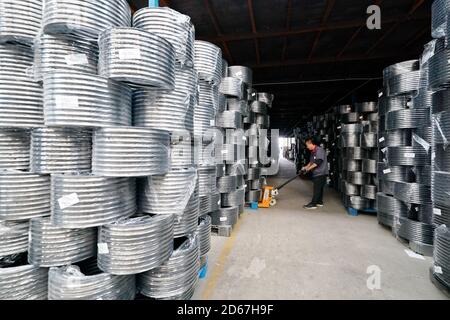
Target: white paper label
point(410, 155)
point(381, 139)
point(384, 150)
point(102, 248)
point(223, 219)
point(433, 155)
point(437, 211)
point(70, 102)
point(380, 94)
point(130, 54)
point(438, 270)
point(338, 127)
point(76, 58)
point(212, 123)
point(414, 255)
point(224, 151)
point(68, 201)
point(386, 171)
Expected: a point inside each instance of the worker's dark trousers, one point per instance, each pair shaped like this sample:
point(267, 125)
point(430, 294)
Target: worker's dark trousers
point(319, 185)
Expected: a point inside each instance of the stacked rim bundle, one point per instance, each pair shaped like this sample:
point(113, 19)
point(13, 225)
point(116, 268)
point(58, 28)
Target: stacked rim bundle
point(231, 165)
point(404, 171)
point(13, 237)
point(14, 149)
point(358, 155)
point(439, 81)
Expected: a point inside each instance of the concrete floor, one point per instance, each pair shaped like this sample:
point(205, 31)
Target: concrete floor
point(289, 253)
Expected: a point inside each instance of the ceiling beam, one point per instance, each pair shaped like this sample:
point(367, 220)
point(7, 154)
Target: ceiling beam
point(215, 22)
point(326, 14)
point(414, 7)
point(327, 27)
point(251, 13)
point(288, 28)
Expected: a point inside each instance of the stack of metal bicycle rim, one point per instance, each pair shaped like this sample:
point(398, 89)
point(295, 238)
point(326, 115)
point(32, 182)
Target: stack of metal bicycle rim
point(225, 216)
point(100, 200)
point(83, 19)
point(232, 87)
point(439, 9)
point(181, 150)
point(135, 245)
point(177, 278)
point(24, 195)
point(60, 150)
point(54, 246)
point(171, 111)
point(186, 224)
point(20, 22)
point(171, 25)
point(208, 62)
point(20, 96)
point(69, 54)
point(23, 282)
point(84, 100)
point(137, 57)
point(204, 235)
point(14, 149)
point(441, 256)
point(405, 155)
point(128, 152)
point(69, 283)
point(13, 237)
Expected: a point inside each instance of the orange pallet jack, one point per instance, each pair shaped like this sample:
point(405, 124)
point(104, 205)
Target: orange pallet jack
point(269, 193)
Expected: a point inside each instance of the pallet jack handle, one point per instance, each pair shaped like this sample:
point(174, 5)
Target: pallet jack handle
point(281, 186)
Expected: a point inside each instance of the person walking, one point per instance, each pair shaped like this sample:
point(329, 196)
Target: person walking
point(318, 165)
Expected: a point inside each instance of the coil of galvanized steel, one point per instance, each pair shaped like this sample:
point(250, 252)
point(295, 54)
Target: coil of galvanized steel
point(171, 25)
point(23, 282)
point(20, 96)
point(208, 95)
point(441, 181)
point(357, 202)
point(13, 237)
point(203, 121)
point(172, 111)
point(70, 283)
point(369, 166)
point(14, 149)
point(236, 169)
point(259, 107)
point(130, 151)
point(181, 151)
point(232, 87)
point(186, 224)
point(366, 107)
point(227, 216)
point(405, 83)
point(208, 62)
point(83, 100)
point(224, 68)
point(352, 165)
point(391, 206)
point(407, 119)
point(23, 195)
point(412, 192)
point(439, 71)
point(253, 174)
point(441, 128)
point(250, 119)
point(350, 140)
point(167, 194)
point(229, 120)
point(441, 214)
point(137, 57)
point(396, 138)
point(351, 189)
point(265, 97)
point(56, 54)
point(255, 184)
point(207, 180)
point(262, 120)
point(231, 153)
point(244, 74)
point(226, 184)
point(204, 234)
point(177, 278)
point(441, 101)
point(60, 150)
point(233, 198)
point(349, 118)
point(369, 192)
point(441, 256)
point(85, 19)
point(395, 173)
point(369, 140)
point(407, 156)
point(389, 104)
point(359, 178)
point(135, 245)
point(252, 195)
point(220, 170)
point(241, 106)
point(20, 22)
point(344, 109)
point(423, 137)
point(422, 213)
point(398, 69)
point(355, 153)
point(415, 231)
point(439, 8)
point(52, 246)
point(98, 200)
point(386, 187)
point(423, 175)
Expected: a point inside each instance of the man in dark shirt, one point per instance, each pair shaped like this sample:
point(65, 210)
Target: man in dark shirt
point(318, 165)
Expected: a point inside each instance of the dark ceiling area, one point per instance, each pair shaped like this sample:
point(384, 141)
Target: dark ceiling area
point(311, 54)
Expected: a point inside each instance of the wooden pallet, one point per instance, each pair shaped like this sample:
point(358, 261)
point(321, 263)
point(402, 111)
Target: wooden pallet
point(221, 231)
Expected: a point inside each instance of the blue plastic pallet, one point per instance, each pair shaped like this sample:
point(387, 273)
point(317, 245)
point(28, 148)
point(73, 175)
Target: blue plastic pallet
point(355, 212)
point(203, 271)
point(253, 205)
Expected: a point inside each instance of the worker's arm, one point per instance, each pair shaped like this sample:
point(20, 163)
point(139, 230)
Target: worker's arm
point(312, 165)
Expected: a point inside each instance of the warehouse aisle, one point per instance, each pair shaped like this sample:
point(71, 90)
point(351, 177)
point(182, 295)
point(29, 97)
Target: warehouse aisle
point(288, 253)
